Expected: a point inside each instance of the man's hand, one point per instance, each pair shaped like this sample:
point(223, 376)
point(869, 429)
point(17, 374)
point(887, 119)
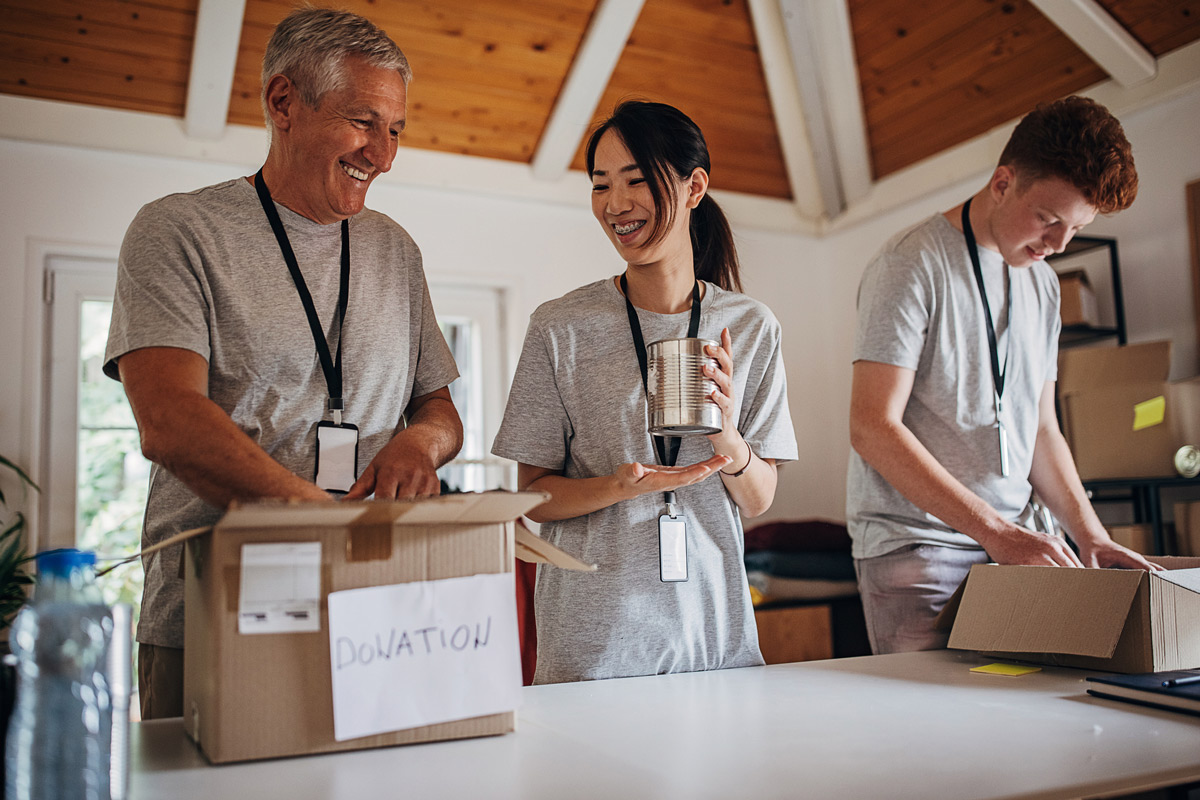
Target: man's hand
point(1017, 545)
point(1110, 554)
point(398, 472)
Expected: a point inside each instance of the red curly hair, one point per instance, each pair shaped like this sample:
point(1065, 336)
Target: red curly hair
point(1079, 141)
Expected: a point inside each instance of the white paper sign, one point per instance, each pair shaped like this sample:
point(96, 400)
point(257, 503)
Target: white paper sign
point(421, 653)
point(280, 588)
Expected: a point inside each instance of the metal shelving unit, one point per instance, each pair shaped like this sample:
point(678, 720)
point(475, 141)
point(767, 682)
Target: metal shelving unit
point(1080, 334)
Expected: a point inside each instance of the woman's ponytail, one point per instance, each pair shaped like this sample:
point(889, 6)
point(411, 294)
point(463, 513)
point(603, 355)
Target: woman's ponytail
point(714, 256)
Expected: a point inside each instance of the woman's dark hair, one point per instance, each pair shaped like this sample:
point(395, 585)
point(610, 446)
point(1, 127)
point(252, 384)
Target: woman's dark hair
point(667, 147)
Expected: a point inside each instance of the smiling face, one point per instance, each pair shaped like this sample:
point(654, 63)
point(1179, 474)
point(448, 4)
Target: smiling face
point(1032, 219)
point(329, 155)
point(623, 204)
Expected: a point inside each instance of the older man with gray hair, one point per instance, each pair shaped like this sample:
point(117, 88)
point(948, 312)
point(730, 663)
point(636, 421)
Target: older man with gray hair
point(262, 355)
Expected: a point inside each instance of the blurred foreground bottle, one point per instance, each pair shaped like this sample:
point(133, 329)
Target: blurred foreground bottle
point(60, 736)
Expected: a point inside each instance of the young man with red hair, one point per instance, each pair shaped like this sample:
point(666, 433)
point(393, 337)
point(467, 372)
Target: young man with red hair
point(952, 415)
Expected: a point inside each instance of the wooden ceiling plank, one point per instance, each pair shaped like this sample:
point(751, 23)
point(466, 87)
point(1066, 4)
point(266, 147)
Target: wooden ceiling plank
point(1104, 39)
point(214, 53)
point(134, 17)
point(593, 67)
point(117, 41)
point(1160, 26)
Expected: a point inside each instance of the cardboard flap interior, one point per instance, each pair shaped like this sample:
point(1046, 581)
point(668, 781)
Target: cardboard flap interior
point(1094, 367)
point(537, 550)
point(1184, 578)
point(945, 619)
point(1044, 609)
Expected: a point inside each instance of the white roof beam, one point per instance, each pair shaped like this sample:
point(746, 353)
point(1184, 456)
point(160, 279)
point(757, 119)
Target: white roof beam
point(1105, 40)
point(813, 192)
point(593, 67)
point(214, 56)
point(822, 48)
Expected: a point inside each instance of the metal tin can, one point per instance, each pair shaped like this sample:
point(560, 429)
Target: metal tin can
point(678, 392)
point(1187, 461)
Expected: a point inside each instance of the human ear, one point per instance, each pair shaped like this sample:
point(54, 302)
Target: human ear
point(1004, 180)
point(280, 100)
point(697, 187)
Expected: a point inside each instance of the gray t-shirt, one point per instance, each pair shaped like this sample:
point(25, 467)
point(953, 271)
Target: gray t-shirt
point(202, 271)
point(577, 405)
point(919, 308)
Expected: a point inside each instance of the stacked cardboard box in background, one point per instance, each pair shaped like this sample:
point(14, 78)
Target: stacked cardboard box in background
point(1120, 416)
point(1078, 305)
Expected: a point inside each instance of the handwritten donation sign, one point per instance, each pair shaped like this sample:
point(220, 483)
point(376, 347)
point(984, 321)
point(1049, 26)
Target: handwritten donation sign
point(420, 653)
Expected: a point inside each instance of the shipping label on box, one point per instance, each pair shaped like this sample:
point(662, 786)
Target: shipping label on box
point(420, 653)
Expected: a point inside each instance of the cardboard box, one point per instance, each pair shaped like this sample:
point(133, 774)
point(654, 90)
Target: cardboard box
point(1138, 538)
point(795, 633)
point(1078, 305)
point(1104, 619)
point(264, 695)
point(1120, 416)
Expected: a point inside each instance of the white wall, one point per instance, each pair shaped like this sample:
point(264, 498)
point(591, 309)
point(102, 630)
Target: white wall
point(84, 200)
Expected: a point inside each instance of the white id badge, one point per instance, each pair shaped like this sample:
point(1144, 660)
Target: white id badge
point(672, 549)
point(337, 456)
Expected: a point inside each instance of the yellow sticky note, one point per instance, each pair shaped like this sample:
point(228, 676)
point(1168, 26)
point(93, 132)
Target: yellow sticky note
point(1149, 413)
point(1012, 670)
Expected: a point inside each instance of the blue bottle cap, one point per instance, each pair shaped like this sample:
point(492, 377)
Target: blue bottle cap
point(60, 562)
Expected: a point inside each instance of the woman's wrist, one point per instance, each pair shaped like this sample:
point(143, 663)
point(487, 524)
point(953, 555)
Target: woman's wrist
point(745, 466)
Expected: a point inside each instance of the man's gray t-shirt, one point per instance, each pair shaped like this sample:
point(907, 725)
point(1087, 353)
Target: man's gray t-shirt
point(919, 308)
point(202, 271)
point(577, 405)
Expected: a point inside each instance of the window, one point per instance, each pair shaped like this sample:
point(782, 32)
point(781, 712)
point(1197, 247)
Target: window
point(95, 492)
point(472, 320)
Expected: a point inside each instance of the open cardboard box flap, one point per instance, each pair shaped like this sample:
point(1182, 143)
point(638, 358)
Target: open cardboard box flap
point(480, 508)
point(1095, 368)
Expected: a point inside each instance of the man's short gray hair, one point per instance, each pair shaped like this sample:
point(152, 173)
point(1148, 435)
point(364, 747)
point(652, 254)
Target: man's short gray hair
point(310, 46)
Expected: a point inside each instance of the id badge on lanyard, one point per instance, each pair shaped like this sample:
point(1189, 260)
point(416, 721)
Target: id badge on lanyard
point(337, 442)
point(672, 527)
point(337, 456)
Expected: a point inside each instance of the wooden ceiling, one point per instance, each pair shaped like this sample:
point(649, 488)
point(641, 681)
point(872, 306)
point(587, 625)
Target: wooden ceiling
point(932, 73)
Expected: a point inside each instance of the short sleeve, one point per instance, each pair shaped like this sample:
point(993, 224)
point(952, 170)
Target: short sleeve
point(160, 299)
point(436, 368)
point(895, 304)
point(766, 420)
point(536, 428)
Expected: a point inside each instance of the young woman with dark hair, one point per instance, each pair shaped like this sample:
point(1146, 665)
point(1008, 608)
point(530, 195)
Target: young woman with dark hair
point(576, 423)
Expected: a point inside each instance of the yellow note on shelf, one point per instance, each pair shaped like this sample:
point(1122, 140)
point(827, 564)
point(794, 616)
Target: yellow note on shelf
point(1149, 413)
point(1011, 670)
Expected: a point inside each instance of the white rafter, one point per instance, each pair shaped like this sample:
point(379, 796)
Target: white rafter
point(800, 152)
point(1105, 40)
point(590, 72)
point(822, 50)
point(214, 56)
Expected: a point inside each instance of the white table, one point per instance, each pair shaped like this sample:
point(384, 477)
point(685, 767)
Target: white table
point(915, 725)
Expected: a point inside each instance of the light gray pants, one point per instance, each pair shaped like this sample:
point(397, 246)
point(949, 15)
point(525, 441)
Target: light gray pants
point(903, 592)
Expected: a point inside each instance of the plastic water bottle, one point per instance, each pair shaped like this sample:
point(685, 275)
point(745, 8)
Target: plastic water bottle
point(60, 736)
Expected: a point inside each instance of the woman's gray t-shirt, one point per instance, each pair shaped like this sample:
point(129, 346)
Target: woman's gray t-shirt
point(578, 405)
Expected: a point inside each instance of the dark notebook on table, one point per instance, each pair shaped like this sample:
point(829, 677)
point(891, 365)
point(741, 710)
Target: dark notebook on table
point(1147, 689)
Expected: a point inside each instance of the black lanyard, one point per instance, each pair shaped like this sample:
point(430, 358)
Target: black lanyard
point(330, 366)
point(997, 375)
point(668, 451)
